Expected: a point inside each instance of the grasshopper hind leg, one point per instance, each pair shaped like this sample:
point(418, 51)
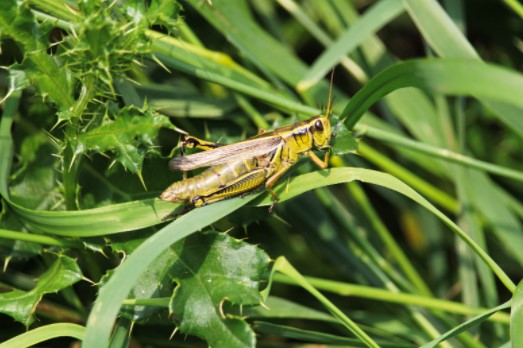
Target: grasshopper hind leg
point(242, 185)
point(177, 212)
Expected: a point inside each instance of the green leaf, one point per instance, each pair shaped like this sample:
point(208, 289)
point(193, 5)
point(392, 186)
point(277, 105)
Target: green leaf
point(17, 22)
point(36, 184)
point(165, 13)
point(236, 22)
point(20, 305)
point(439, 30)
point(214, 268)
point(129, 134)
point(125, 277)
point(345, 141)
point(38, 69)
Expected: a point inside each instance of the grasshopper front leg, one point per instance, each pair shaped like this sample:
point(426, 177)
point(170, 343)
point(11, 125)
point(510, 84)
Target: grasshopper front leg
point(240, 186)
point(322, 164)
point(283, 163)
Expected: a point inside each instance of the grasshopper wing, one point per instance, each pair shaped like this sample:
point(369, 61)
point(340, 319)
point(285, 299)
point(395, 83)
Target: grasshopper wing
point(228, 153)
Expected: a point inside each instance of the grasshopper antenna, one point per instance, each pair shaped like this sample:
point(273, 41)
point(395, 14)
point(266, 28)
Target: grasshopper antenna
point(329, 102)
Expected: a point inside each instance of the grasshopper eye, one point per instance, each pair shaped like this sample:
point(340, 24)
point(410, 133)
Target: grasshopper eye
point(318, 126)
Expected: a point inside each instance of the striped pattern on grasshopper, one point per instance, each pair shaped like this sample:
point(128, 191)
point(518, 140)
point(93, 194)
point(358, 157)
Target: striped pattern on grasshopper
point(240, 168)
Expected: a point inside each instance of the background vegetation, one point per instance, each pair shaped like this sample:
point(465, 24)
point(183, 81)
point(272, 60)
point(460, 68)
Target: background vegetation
point(412, 238)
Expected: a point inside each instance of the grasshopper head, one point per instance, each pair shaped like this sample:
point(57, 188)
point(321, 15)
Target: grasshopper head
point(320, 128)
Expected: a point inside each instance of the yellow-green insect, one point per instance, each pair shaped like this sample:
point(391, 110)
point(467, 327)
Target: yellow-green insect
point(240, 168)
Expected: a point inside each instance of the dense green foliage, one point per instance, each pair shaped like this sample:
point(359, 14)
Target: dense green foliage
point(412, 238)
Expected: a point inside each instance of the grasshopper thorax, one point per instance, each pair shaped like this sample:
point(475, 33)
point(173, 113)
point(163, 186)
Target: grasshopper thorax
point(320, 128)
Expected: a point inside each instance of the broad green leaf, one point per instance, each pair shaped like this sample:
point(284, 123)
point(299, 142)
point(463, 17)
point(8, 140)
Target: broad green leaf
point(129, 135)
point(154, 282)
point(344, 140)
point(35, 186)
point(20, 305)
point(213, 268)
point(119, 285)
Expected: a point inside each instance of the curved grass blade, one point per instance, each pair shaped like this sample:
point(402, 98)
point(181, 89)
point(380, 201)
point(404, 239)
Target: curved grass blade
point(464, 77)
point(516, 317)
point(439, 30)
point(44, 333)
point(112, 294)
point(374, 19)
point(283, 266)
point(447, 40)
point(115, 218)
point(333, 176)
point(466, 325)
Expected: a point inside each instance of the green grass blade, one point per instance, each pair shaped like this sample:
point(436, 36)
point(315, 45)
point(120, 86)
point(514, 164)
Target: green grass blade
point(283, 266)
point(6, 142)
point(439, 76)
point(35, 238)
point(112, 294)
point(439, 30)
point(44, 333)
point(374, 19)
point(466, 325)
point(384, 295)
point(516, 317)
point(448, 41)
point(115, 218)
point(515, 6)
point(333, 176)
point(437, 152)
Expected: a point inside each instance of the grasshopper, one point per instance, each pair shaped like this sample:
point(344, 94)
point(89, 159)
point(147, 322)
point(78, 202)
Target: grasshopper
point(243, 167)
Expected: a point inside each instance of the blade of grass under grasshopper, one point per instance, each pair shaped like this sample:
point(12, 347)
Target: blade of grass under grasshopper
point(333, 176)
point(115, 290)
